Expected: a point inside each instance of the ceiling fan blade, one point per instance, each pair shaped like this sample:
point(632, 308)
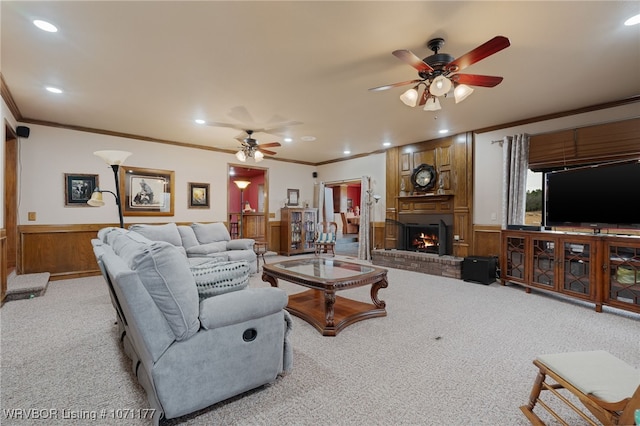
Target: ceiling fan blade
point(266, 151)
point(269, 145)
point(389, 86)
point(476, 80)
point(230, 125)
point(494, 45)
point(410, 58)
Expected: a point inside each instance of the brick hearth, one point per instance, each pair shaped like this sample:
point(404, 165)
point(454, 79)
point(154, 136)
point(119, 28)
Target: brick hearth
point(427, 263)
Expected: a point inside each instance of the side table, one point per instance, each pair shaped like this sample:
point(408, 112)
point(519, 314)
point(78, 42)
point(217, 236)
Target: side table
point(260, 248)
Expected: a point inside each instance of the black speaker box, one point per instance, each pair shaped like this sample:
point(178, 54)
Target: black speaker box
point(314, 174)
point(23, 131)
point(479, 269)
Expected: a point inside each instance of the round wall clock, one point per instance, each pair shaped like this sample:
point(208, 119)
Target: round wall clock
point(423, 177)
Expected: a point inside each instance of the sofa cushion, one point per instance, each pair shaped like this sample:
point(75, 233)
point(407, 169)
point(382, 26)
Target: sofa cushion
point(168, 232)
point(188, 237)
point(241, 244)
point(215, 277)
point(210, 232)
point(165, 273)
point(126, 244)
point(205, 249)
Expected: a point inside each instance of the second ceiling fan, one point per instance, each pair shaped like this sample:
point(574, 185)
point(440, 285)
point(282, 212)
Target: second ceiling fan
point(439, 73)
point(250, 147)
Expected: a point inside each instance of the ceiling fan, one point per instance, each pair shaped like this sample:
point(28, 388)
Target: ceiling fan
point(439, 73)
point(251, 148)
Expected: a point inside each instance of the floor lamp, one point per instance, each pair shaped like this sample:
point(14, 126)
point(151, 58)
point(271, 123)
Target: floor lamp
point(113, 159)
point(242, 184)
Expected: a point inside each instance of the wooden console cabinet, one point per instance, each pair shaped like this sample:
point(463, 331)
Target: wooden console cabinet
point(601, 269)
point(298, 230)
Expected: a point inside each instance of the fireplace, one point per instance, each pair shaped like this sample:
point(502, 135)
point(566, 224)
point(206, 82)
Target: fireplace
point(426, 238)
point(422, 233)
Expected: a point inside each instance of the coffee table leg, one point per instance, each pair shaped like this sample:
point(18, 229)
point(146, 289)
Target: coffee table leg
point(329, 301)
point(271, 280)
point(383, 283)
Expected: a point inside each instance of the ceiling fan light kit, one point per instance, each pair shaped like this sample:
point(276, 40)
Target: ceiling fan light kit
point(439, 73)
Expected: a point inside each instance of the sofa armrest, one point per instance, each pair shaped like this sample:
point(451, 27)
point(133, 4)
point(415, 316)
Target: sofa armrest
point(241, 306)
point(241, 244)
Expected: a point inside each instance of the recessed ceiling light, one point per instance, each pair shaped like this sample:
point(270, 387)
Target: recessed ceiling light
point(45, 26)
point(54, 89)
point(634, 20)
point(346, 152)
point(443, 131)
point(288, 140)
point(386, 144)
point(308, 138)
point(200, 121)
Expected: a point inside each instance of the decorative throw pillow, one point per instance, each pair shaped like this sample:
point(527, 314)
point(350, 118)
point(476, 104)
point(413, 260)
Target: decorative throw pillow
point(217, 278)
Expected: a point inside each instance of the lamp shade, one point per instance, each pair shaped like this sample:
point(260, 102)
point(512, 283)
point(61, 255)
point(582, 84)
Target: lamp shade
point(258, 156)
point(440, 86)
point(461, 92)
point(96, 199)
point(240, 155)
point(242, 184)
point(410, 97)
point(432, 104)
point(111, 157)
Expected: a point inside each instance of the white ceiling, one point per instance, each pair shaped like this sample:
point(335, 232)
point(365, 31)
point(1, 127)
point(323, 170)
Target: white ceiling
point(149, 68)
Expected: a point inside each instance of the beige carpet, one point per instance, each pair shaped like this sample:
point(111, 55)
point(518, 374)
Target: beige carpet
point(448, 353)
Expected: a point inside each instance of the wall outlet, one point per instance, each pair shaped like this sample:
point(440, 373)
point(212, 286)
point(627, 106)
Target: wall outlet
point(31, 216)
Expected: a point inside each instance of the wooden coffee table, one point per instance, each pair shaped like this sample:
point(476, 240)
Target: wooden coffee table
point(320, 306)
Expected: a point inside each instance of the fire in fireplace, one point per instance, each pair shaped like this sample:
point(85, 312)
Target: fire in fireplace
point(428, 238)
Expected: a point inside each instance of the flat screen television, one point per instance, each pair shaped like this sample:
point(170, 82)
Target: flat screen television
point(599, 196)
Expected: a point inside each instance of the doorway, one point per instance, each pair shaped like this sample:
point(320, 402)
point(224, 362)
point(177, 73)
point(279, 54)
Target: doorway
point(248, 209)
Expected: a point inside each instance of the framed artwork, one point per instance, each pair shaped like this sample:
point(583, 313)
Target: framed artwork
point(293, 196)
point(198, 195)
point(78, 189)
point(146, 192)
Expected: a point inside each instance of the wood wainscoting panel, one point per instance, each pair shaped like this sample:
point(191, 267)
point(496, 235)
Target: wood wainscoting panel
point(64, 251)
point(486, 240)
point(273, 231)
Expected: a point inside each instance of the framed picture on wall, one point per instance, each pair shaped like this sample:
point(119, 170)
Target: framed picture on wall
point(78, 189)
point(293, 197)
point(198, 195)
point(146, 192)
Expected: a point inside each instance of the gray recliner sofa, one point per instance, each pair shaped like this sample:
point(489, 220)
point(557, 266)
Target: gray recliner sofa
point(189, 352)
point(198, 240)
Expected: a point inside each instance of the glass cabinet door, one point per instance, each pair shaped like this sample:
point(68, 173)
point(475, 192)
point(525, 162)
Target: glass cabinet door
point(577, 268)
point(515, 251)
point(544, 262)
point(624, 275)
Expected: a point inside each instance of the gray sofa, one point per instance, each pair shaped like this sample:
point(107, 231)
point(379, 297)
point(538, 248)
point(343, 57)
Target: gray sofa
point(190, 351)
point(202, 240)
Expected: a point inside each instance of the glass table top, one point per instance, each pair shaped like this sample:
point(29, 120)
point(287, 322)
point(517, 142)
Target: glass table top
point(322, 268)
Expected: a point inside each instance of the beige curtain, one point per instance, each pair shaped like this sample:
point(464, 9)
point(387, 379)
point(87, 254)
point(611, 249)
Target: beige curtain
point(364, 246)
point(515, 156)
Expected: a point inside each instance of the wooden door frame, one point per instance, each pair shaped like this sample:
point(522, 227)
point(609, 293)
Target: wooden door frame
point(232, 187)
point(11, 197)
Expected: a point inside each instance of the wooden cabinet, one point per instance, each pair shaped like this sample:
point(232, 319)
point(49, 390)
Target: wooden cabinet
point(297, 230)
point(601, 269)
point(253, 226)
